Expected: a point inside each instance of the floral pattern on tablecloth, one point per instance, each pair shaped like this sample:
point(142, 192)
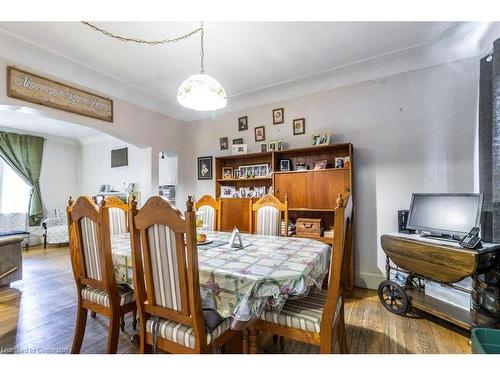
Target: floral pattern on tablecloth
point(122, 258)
point(242, 282)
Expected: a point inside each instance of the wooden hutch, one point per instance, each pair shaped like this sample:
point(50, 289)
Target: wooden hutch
point(311, 193)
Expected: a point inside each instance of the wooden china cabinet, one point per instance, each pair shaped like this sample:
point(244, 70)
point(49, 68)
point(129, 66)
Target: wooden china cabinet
point(311, 193)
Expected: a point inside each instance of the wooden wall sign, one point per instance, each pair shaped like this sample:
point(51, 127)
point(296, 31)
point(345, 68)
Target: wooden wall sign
point(44, 91)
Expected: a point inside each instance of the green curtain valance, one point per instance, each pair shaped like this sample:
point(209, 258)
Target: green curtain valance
point(23, 153)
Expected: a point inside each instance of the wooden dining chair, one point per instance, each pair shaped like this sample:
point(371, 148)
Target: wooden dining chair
point(209, 210)
point(318, 317)
point(166, 277)
point(266, 215)
point(117, 212)
point(91, 260)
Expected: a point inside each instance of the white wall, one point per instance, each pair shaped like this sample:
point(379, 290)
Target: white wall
point(59, 177)
point(168, 171)
point(411, 132)
point(96, 166)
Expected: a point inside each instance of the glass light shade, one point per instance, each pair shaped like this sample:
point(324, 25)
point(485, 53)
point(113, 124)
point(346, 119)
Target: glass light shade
point(202, 93)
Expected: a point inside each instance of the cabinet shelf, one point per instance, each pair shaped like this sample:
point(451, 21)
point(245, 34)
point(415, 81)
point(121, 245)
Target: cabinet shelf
point(314, 170)
point(311, 209)
point(244, 179)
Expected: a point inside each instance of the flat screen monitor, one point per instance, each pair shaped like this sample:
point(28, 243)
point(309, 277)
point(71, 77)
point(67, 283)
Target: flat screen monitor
point(445, 214)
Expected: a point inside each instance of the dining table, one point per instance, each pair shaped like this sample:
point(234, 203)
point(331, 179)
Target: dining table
point(241, 282)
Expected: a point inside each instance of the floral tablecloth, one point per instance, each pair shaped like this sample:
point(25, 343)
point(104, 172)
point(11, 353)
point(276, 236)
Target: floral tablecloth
point(242, 282)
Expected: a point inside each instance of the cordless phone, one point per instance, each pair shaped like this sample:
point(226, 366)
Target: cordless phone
point(471, 240)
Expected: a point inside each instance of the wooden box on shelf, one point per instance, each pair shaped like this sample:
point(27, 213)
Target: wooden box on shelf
point(309, 227)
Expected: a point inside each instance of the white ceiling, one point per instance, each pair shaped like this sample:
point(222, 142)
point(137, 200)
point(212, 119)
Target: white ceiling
point(31, 121)
point(247, 58)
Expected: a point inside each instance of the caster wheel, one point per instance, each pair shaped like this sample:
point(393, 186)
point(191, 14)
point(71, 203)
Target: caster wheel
point(393, 297)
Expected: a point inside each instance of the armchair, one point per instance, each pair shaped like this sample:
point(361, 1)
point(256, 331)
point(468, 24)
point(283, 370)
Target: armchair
point(55, 229)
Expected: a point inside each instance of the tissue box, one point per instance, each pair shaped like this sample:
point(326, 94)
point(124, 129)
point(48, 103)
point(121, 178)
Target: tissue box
point(452, 296)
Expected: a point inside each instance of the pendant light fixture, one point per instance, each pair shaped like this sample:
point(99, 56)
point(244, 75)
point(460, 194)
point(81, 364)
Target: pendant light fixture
point(201, 92)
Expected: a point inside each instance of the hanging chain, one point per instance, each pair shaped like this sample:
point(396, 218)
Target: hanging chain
point(202, 50)
point(148, 42)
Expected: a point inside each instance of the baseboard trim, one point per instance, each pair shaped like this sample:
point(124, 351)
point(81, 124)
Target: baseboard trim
point(368, 280)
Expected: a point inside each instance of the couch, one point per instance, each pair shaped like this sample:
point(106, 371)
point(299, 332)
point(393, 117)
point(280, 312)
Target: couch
point(15, 224)
point(11, 261)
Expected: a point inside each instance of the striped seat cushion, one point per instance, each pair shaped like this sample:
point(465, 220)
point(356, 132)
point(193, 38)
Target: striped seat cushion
point(101, 296)
point(207, 214)
point(304, 313)
point(117, 221)
point(268, 221)
point(184, 335)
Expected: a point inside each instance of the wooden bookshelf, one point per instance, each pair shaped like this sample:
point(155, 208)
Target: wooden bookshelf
point(311, 193)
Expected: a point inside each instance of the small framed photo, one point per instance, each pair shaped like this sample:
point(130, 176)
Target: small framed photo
point(320, 139)
point(339, 162)
point(271, 146)
point(320, 164)
point(227, 191)
point(260, 133)
point(224, 143)
point(239, 149)
point(243, 192)
point(238, 141)
point(263, 147)
point(243, 123)
point(299, 126)
point(236, 174)
point(205, 168)
point(279, 145)
point(285, 165)
point(347, 162)
point(227, 173)
point(278, 116)
point(243, 172)
point(263, 170)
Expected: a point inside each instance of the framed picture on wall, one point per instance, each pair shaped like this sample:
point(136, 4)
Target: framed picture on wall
point(238, 141)
point(278, 116)
point(260, 133)
point(205, 168)
point(223, 143)
point(243, 123)
point(299, 126)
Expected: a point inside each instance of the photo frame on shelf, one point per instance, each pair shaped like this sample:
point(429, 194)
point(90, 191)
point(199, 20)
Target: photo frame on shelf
point(243, 123)
point(236, 173)
point(339, 162)
point(227, 173)
point(347, 162)
point(227, 191)
point(299, 126)
point(205, 168)
point(239, 149)
point(320, 139)
point(320, 164)
point(285, 165)
point(224, 143)
point(278, 116)
point(271, 146)
point(263, 147)
point(260, 133)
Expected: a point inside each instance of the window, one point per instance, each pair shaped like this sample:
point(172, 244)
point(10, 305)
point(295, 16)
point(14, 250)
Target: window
point(14, 192)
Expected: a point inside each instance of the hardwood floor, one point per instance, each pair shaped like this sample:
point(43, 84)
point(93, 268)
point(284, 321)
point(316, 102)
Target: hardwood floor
point(37, 315)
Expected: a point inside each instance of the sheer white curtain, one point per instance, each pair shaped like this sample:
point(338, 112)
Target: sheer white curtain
point(14, 192)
